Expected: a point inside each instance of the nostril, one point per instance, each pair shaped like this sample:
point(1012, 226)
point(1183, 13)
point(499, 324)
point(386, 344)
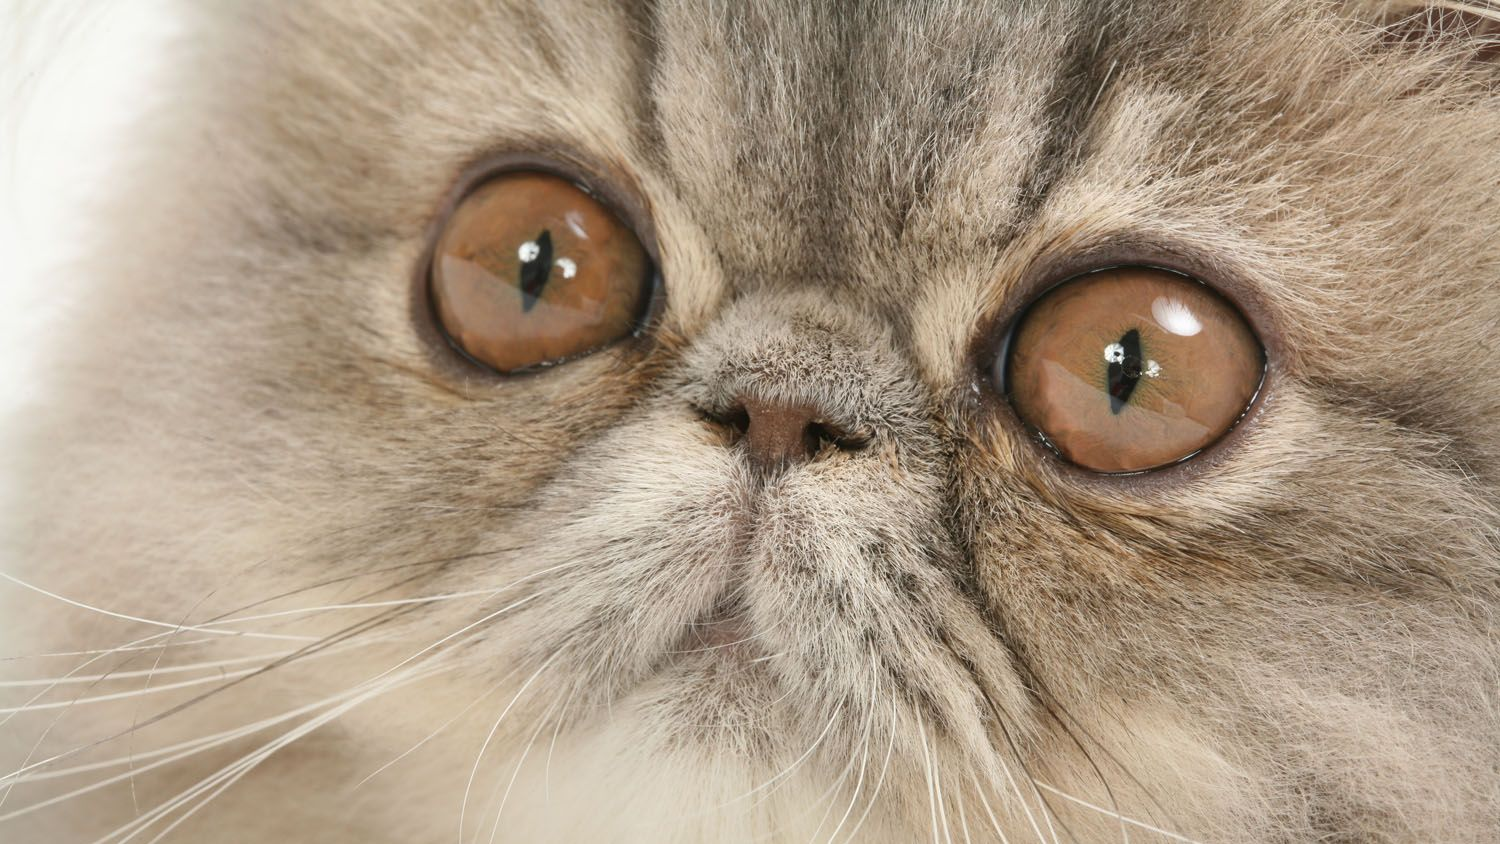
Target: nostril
point(734, 420)
point(775, 434)
point(824, 432)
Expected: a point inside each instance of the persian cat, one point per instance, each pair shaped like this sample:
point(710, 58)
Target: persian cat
point(1057, 421)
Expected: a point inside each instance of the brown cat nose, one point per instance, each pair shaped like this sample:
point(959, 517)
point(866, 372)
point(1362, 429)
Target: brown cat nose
point(778, 434)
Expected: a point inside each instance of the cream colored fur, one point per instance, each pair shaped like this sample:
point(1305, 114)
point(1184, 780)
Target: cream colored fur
point(1290, 639)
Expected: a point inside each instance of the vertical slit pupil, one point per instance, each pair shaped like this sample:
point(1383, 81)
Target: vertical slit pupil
point(536, 272)
point(1123, 375)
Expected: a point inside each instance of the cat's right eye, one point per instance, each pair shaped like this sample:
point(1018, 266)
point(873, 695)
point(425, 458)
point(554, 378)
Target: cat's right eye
point(531, 270)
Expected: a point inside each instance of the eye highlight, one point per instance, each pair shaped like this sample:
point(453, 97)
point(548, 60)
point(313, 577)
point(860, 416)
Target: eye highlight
point(530, 270)
point(1129, 369)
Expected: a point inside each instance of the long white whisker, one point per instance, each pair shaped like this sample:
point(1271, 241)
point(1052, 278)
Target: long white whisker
point(187, 748)
point(1116, 815)
point(831, 793)
point(865, 757)
point(927, 773)
point(134, 693)
point(26, 762)
point(984, 801)
point(884, 767)
point(937, 785)
point(463, 807)
point(231, 773)
point(120, 649)
point(434, 734)
point(541, 725)
point(85, 664)
point(128, 675)
point(552, 746)
point(27, 765)
point(1470, 8)
point(361, 605)
point(154, 622)
point(135, 712)
point(790, 769)
point(194, 746)
point(1025, 805)
point(464, 629)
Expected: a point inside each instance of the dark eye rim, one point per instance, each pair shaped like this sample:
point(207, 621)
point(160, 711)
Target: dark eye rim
point(990, 350)
point(611, 186)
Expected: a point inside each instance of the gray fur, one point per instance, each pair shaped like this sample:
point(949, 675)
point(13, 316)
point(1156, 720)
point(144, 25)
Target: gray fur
point(1289, 639)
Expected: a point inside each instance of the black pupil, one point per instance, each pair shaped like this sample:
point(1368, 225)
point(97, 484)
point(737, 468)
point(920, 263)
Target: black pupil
point(1124, 374)
point(534, 273)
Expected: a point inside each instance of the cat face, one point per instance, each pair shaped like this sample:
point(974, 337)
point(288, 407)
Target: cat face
point(782, 552)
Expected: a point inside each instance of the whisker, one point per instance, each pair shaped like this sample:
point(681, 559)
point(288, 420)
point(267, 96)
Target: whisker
point(5, 795)
point(1047, 810)
point(937, 786)
point(468, 627)
point(837, 711)
point(261, 602)
point(395, 602)
point(963, 818)
point(552, 746)
point(927, 773)
point(30, 771)
point(86, 663)
point(1116, 815)
point(201, 744)
point(1072, 728)
point(135, 693)
point(188, 749)
point(108, 651)
point(128, 675)
point(464, 806)
point(984, 801)
point(864, 758)
point(884, 767)
point(1025, 804)
point(436, 561)
point(315, 647)
point(151, 621)
point(135, 712)
point(232, 773)
point(541, 725)
point(1048, 813)
point(430, 736)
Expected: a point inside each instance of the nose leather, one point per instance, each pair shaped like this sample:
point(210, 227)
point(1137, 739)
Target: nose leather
point(779, 434)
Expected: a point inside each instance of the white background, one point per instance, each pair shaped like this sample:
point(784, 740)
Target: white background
point(73, 73)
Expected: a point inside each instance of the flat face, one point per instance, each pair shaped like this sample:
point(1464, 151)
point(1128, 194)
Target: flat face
point(585, 422)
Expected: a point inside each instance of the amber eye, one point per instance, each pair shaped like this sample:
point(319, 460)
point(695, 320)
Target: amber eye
point(530, 270)
point(1129, 369)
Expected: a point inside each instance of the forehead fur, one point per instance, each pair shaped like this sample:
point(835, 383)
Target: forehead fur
point(1293, 146)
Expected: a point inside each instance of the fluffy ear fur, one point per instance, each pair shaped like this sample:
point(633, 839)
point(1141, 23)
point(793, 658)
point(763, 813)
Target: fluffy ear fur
point(287, 567)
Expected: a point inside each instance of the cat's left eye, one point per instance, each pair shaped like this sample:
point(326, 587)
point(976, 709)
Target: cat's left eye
point(1129, 369)
point(532, 270)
